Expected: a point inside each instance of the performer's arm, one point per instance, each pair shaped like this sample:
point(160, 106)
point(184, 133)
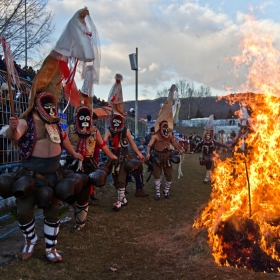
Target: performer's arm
point(177, 146)
point(68, 147)
point(107, 135)
point(151, 143)
point(105, 149)
point(17, 127)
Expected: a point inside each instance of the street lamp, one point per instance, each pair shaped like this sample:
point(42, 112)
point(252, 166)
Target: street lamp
point(134, 66)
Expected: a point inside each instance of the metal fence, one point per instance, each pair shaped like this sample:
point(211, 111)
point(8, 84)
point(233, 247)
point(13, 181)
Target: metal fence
point(8, 153)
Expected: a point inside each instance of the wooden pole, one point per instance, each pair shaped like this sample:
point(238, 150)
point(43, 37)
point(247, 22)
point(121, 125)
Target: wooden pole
point(8, 77)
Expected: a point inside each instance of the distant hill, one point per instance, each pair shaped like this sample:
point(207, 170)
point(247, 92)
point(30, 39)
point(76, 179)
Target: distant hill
point(207, 106)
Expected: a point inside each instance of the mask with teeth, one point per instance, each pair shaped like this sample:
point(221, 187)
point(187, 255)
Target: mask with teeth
point(83, 121)
point(164, 130)
point(45, 107)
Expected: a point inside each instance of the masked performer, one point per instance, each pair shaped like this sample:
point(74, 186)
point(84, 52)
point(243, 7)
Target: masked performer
point(244, 129)
point(40, 141)
point(119, 137)
point(84, 137)
point(163, 156)
point(40, 138)
point(208, 145)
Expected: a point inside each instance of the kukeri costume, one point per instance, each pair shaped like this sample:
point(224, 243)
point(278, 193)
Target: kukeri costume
point(117, 135)
point(208, 146)
point(162, 156)
point(82, 136)
point(40, 181)
point(37, 180)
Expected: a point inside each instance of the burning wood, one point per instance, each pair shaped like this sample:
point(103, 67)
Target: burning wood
point(243, 214)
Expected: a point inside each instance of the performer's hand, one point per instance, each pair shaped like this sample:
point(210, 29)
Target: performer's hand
point(78, 156)
point(147, 156)
point(13, 123)
point(182, 151)
point(114, 158)
point(141, 157)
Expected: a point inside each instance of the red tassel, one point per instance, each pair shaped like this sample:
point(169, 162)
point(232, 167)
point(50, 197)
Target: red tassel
point(91, 189)
point(70, 89)
point(115, 142)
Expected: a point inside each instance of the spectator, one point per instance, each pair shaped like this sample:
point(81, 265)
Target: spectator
point(23, 99)
point(31, 73)
point(233, 134)
point(149, 118)
point(2, 63)
point(149, 136)
point(131, 113)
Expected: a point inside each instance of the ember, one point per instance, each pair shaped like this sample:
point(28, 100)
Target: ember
point(243, 213)
point(241, 246)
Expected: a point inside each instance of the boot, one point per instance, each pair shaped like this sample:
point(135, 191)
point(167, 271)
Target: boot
point(28, 231)
point(51, 231)
point(157, 187)
point(80, 215)
point(208, 176)
point(122, 201)
point(140, 193)
point(166, 189)
point(117, 205)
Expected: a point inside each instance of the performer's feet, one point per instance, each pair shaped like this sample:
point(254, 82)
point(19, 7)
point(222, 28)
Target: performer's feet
point(157, 197)
point(28, 248)
point(166, 194)
point(77, 227)
point(140, 193)
point(52, 255)
point(117, 205)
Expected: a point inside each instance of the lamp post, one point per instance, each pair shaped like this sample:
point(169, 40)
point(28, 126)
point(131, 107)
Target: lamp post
point(25, 32)
point(134, 66)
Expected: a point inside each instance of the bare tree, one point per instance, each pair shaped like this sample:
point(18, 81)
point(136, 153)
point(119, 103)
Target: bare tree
point(163, 93)
point(38, 25)
point(186, 92)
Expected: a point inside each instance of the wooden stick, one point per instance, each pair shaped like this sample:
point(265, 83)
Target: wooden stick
point(8, 78)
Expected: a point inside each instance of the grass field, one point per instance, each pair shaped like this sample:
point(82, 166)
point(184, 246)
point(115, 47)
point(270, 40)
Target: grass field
point(147, 239)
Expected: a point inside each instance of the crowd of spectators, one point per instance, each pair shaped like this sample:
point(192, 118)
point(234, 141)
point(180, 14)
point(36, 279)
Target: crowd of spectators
point(99, 102)
point(26, 72)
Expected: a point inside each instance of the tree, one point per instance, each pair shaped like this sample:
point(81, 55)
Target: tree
point(38, 25)
point(230, 114)
point(186, 92)
point(198, 114)
point(163, 93)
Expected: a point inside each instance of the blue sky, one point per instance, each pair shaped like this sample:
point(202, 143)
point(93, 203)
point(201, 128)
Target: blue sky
point(176, 40)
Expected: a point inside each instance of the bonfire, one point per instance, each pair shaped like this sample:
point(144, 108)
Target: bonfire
point(243, 214)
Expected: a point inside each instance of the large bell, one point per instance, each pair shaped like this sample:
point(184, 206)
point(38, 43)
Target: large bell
point(98, 178)
point(44, 196)
point(65, 189)
point(133, 166)
point(23, 186)
point(6, 183)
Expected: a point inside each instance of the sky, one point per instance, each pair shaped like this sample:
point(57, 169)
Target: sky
point(176, 40)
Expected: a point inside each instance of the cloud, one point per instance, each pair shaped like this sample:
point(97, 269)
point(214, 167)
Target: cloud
point(175, 40)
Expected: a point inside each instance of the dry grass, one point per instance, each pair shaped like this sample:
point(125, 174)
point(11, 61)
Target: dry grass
point(148, 239)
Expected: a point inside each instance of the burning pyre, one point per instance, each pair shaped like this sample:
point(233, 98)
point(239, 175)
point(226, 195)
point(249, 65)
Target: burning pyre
point(243, 214)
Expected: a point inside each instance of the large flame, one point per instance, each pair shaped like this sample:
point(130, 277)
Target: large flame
point(243, 215)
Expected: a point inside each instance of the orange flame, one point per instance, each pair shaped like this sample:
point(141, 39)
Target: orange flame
point(247, 187)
